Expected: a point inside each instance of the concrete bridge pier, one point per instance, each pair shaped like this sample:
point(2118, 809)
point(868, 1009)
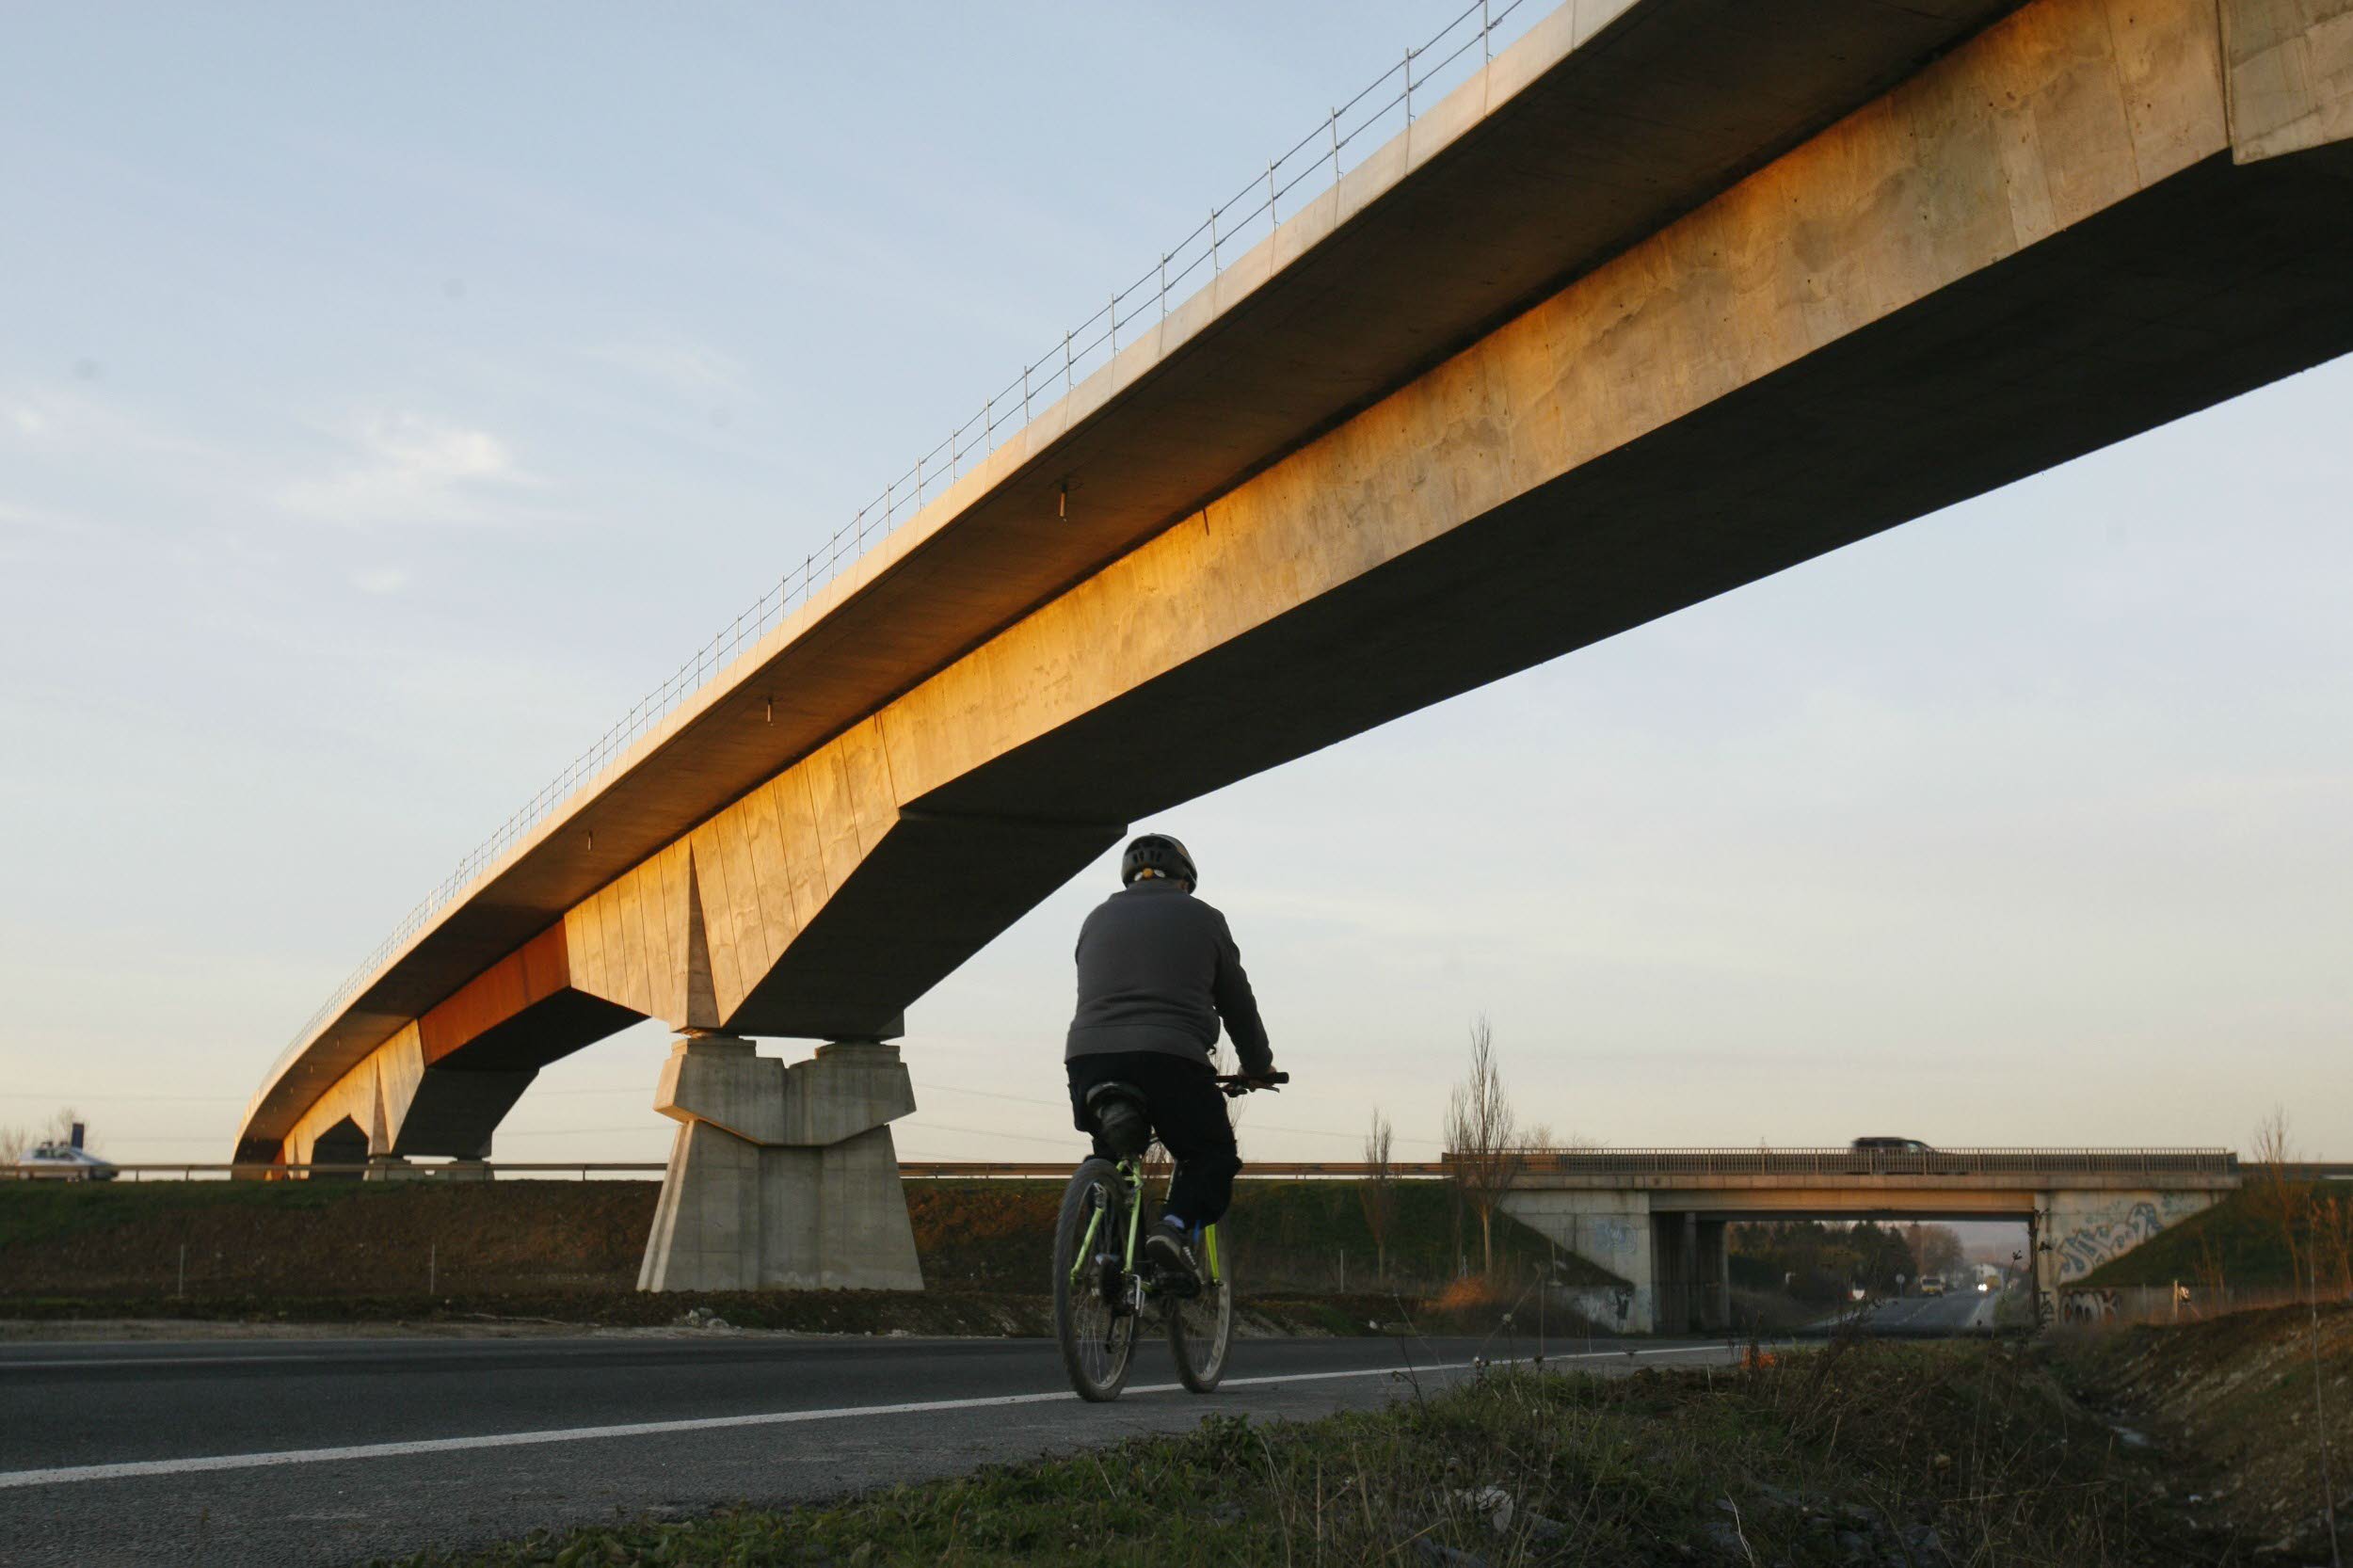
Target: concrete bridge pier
point(1692, 1290)
point(1714, 1275)
point(782, 1177)
point(1614, 1230)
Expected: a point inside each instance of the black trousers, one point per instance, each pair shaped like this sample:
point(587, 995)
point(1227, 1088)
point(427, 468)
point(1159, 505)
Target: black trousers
point(1188, 1113)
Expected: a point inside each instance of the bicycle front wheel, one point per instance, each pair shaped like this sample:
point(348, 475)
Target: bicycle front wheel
point(1201, 1326)
point(1093, 1318)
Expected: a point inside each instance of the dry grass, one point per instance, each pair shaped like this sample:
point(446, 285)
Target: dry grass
point(1859, 1454)
point(2232, 1400)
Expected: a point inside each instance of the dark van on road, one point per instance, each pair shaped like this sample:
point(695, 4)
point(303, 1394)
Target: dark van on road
point(1897, 1156)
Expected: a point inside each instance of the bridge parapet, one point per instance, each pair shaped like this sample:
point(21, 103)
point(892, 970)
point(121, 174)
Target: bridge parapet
point(1544, 1165)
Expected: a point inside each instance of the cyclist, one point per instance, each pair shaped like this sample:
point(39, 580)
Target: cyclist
point(1157, 970)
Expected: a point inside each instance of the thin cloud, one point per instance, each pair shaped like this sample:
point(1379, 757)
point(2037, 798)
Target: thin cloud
point(410, 468)
point(381, 579)
point(676, 365)
point(37, 519)
point(65, 421)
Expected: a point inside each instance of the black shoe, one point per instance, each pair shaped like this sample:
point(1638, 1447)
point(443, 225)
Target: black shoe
point(1172, 1260)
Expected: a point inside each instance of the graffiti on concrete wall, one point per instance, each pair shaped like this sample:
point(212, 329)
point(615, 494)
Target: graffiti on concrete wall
point(1608, 1306)
point(2084, 1237)
point(1609, 1237)
point(2087, 1306)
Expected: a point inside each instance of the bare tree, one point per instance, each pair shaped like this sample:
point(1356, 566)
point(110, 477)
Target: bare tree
point(2273, 1193)
point(2211, 1276)
point(60, 1128)
point(18, 1142)
point(1377, 1191)
point(1935, 1248)
point(2332, 1242)
point(1483, 1137)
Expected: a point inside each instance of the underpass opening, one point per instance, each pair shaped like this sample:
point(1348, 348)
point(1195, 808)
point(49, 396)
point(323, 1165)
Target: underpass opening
point(1665, 1219)
point(1905, 1271)
point(344, 1143)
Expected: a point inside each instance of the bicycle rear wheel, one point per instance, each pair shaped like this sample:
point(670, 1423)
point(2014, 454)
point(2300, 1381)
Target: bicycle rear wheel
point(1093, 1319)
point(1201, 1326)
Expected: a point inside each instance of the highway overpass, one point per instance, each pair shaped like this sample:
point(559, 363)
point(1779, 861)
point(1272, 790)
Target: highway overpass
point(1656, 1218)
point(1670, 296)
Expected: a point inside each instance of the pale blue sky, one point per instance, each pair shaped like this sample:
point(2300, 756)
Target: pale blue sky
point(389, 397)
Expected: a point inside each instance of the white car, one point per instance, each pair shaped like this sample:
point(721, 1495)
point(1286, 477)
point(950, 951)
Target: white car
point(64, 1163)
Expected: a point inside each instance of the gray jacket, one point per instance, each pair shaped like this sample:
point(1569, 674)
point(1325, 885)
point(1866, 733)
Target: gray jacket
point(1157, 970)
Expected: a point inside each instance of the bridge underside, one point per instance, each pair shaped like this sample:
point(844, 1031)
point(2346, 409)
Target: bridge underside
point(1671, 1247)
point(2088, 220)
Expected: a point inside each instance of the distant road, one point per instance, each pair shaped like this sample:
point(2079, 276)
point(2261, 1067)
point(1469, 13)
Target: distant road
point(229, 1451)
point(1956, 1312)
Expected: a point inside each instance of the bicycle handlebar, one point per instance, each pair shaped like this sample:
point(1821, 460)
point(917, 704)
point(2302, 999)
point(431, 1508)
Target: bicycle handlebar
point(1235, 1085)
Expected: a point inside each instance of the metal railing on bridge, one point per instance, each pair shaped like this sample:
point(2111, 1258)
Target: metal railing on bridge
point(1864, 1162)
point(1532, 1162)
point(1308, 167)
point(455, 1170)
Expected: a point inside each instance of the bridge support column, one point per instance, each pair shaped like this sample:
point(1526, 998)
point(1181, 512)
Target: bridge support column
point(1610, 1230)
point(1675, 1247)
point(782, 1177)
point(1713, 1276)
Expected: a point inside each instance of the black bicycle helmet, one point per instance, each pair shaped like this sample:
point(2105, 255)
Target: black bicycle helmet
point(1158, 851)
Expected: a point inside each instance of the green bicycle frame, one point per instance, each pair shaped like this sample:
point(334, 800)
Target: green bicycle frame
point(1132, 1175)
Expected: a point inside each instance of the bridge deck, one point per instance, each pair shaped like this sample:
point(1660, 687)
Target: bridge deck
point(2039, 242)
point(1607, 120)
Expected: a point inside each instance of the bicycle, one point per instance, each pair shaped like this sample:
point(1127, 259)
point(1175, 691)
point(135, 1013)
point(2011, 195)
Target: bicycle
point(1101, 1286)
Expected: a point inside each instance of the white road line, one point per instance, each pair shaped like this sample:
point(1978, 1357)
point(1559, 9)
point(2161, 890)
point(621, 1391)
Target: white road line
point(450, 1352)
point(67, 1474)
point(140, 1361)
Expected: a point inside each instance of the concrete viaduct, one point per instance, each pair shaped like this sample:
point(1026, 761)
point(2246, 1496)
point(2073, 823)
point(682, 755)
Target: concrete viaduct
point(1671, 295)
point(1656, 1218)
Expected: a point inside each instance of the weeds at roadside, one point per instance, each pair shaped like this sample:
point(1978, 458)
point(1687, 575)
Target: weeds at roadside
point(1854, 1454)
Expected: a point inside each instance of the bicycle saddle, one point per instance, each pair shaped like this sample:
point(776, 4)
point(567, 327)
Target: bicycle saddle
point(1121, 1117)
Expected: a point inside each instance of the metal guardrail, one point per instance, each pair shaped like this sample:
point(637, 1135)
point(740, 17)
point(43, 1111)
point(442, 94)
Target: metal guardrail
point(1231, 228)
point(485, 1170)
point(1252, 1170)
point(1693, 1162)
point(458, 1169)
point(1849, 1161)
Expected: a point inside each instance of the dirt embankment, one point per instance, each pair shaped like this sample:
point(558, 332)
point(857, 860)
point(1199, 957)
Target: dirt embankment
point(2232, 1401)
point(569, 1251)
point(320, 1239)
point(393, 1238)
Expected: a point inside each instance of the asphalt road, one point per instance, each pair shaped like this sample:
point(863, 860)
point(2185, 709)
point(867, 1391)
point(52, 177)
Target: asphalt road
point(333, 1452)
point(1956, 1312)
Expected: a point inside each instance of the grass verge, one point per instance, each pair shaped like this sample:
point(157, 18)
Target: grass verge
point(2232, 1399)
point(1857, 1454)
